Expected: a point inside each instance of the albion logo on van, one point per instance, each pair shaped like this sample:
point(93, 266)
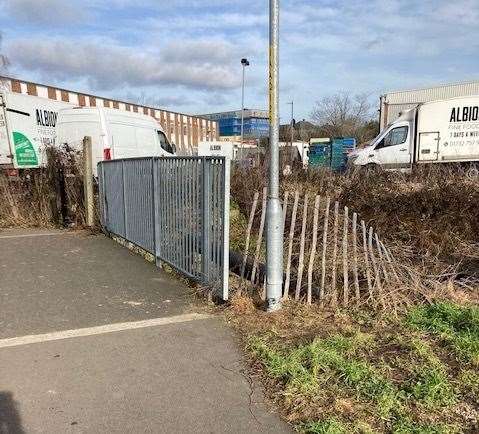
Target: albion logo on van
point(46, 118)
point(464, 114)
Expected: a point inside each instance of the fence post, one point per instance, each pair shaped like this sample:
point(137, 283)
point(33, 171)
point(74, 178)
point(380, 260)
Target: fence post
point(88, 182)
point(102, 196)
point(156, 217)
point(125, 218)
point(226, 229)
point(205, 228)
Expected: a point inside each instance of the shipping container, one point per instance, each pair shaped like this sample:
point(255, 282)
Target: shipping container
point(332, 154)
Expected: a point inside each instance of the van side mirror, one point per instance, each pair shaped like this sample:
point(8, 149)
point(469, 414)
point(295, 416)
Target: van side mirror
point(173, 148)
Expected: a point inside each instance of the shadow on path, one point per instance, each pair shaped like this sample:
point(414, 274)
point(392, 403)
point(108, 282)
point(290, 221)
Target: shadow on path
point(10, 422)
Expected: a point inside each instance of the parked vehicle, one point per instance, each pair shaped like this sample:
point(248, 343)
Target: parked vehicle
point(115, 134)
point(443, 131)
point(27, 126)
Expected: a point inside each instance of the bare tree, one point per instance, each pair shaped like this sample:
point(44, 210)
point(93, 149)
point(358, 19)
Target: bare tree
point(343, 115)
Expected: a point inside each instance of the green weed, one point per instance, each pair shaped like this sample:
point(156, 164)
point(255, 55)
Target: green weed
point(432, 388)
point(407, 426)
point(333, 357)
point(457, 325)
point(327, 426)
point(396, 390)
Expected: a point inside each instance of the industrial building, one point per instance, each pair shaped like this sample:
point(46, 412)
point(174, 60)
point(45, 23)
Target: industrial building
point(256, 123)
point(393, 103)
point(184, 130)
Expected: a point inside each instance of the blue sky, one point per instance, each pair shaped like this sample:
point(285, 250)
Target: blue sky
point(185, 54)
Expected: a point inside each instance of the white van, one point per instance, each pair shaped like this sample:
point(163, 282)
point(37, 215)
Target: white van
point(445, 131)
point(115, 134)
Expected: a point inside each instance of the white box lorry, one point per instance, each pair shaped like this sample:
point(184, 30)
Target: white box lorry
point(115, 133)
point(27, 126)
point(445, 131)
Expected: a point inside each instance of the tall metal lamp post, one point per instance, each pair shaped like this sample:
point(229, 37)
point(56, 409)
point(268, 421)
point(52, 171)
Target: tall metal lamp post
point(245, 63)
point(274, 235)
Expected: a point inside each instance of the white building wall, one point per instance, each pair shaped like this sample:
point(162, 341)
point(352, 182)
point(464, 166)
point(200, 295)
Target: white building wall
point(393, 103)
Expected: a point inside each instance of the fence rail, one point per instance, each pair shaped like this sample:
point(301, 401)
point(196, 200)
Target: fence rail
point(174, 208)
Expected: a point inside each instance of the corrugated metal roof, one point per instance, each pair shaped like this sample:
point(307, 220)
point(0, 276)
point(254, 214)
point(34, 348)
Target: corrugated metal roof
point(444, 91)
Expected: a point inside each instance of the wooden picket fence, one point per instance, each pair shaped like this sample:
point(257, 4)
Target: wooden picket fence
point(330, 255)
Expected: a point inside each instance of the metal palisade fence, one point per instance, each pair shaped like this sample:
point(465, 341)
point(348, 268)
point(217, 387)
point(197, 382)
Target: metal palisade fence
point(175, 208)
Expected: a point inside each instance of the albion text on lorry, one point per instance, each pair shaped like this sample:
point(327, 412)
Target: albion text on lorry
point(464, 114)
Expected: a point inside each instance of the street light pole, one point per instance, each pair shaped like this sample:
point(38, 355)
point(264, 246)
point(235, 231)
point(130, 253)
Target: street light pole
point(245, 63)
point(274, 235)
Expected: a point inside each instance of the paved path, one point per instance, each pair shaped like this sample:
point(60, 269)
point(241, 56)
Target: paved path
point(93, 339)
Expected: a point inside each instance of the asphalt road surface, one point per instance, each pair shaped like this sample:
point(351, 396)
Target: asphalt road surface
point(94, 339)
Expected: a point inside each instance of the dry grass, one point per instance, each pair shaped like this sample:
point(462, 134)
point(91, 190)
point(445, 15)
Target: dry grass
point(429, 218)
point(434, 209)
point(47, 197)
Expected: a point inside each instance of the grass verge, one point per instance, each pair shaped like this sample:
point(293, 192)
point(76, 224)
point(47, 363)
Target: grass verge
point(338, 372)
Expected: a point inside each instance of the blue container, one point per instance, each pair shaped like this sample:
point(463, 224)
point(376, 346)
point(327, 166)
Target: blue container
point(341, 147)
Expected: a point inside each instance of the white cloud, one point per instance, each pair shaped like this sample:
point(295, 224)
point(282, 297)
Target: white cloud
point(189, 50)
point(197, 64)
point(41, 12)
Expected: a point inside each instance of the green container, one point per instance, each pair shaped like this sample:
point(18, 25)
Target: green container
point(320, 155)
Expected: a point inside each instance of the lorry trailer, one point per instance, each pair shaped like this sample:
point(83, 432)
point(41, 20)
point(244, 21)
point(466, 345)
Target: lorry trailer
point(445, 131)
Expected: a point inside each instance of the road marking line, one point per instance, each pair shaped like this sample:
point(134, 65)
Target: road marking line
point(91, 331)
point(47, 234)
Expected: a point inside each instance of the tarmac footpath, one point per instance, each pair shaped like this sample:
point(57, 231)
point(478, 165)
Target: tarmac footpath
point(93, 339)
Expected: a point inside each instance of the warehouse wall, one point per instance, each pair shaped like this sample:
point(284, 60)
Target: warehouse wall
point(182, 129)
point(392, 103)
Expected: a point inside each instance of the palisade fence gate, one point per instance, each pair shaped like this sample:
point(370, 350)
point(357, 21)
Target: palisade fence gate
point(175, 208)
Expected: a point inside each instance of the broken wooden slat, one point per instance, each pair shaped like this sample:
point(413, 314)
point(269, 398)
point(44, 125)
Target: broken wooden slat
point(285, 208)
point(355, 257)
point(366, 259)
point(345, 257)
point(325, 245)
point(312, 254)
point(381, 258)
point(260, 237)
point(390, 262)
point(248, 234)
point(301, 247)
point(375, 265)
point(290, 246)
point(334, 292)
